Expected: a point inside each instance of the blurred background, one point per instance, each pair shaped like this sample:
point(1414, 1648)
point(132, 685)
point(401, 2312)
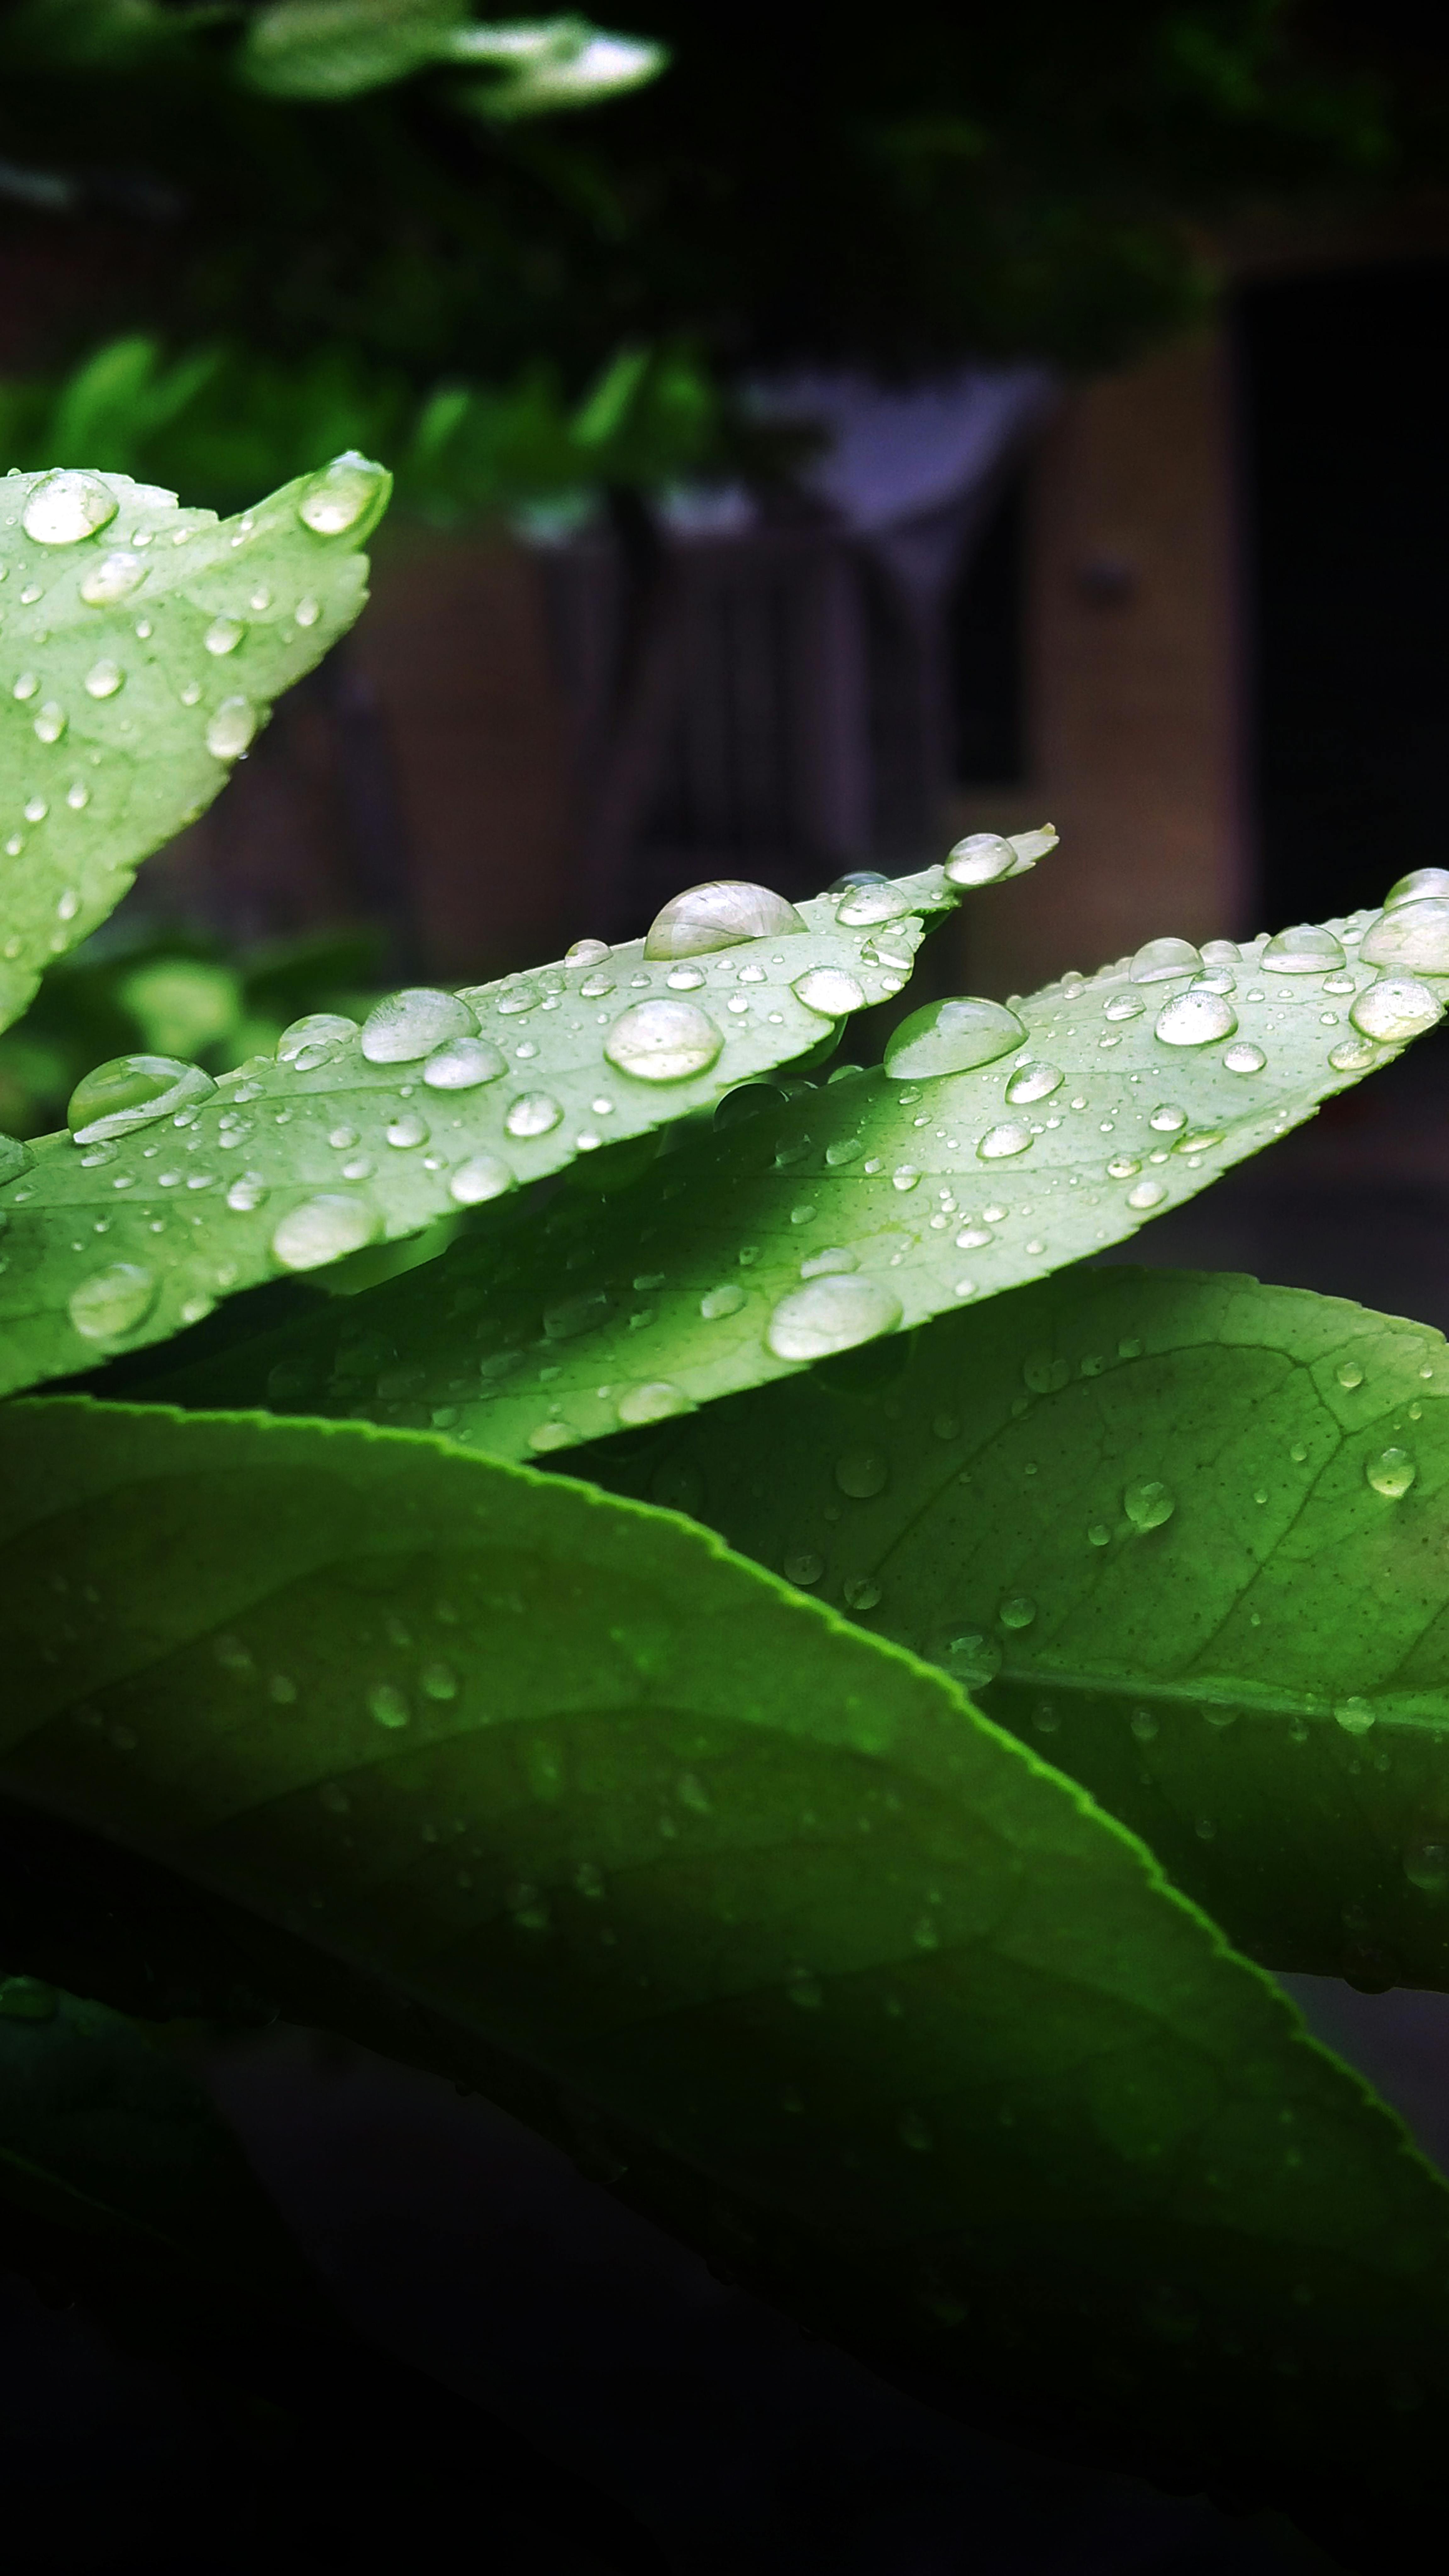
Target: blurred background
point(818, 433)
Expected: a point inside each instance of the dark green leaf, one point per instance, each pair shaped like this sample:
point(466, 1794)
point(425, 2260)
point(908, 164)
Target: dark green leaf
point(884, 2013)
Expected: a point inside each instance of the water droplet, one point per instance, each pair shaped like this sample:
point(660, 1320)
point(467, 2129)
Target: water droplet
point(830, 991)
point(482, 1177)
point(904, 1177)
point(1017, 1611)
point(407, 1129)
point(1125, 1006)
point(1394, 1009)
point(51, 722)
point(27, 686)
point(78, 797)
point(862, 1592)
point(862, 1473)
point(1303, 950)
point(1426, 1862)
point(1099, 1535)
point(112, 1301)
point(1391, 1472)
point(36, 810)
point(1001, 1142)
point(1168, 1119)
point(247, 1191)
point(133, 1091)
point(103, 679)
point(387, 1705)
point(533, 1113)
point(1414, 938)
point(860, 905)
point(717, 1302)
point(951, 1037)
point(720, 914)
point(229, 732)
point(29, 1998)
point(1354, 1055)
point(804, 1567)
point(1144, 1725)
point(1044, 1372)
point(66, 506)
point(462, 1065)
point(322, 1229)
point(1159, 960)
point(804, 1990)
point(1418, 883)
point(655, 1401)
point(307, 610)
point(663, 1041)
point(1244, 1057)
point(1122, 1168)
point(831, 1262)
point(334, 500)
point(685, 979)
point(223, 635)
point(834, 1312)
point(1149, 1504)
point(413, 1023)
point(112, 579)
point(1147, 1194)
point(1349, 1375)
point(320, 1030)
point(1033, 1081)
point(983, 858)
point(1355, 1716)
point(1195, 1018)
point(586, 952)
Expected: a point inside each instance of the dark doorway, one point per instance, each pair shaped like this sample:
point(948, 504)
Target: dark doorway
point(1347, 449)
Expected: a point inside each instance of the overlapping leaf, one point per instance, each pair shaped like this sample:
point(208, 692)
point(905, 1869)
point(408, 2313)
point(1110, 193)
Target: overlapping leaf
point(141, 646)
point(1186, 1536)
point(851, 1988)
point(869, 1205)
point(291, 1164)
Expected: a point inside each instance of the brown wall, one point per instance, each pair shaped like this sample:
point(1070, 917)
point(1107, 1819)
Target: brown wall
point(1134, 720)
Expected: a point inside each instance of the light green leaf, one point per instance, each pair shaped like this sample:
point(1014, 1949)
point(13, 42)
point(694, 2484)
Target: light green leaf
point(115, 1239)
point(325, 49)
point(1186, 1537)
point(142, 647)
point(867, 2001)
point(552, 64)
point(106, 2138)
point(875, 1202)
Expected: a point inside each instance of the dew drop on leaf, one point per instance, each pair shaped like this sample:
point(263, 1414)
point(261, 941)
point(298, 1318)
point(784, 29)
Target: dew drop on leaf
point(983, 858)
point(804, 1567)
point(387, 1706)
point(223, 635)
point(407, 1129)
point(1355, 1716)
point(51, 722)
point(322, 1229)
point(482, 1177)
point(1303, 950)
point(720, 914)
point(114, 578)
point(834, 1312)
point(1426, 1862)
point(112, 1302)
point(229, 732)
point(1033, 1081)
point(462, 1065)
point(655, 1401)
point(1017, 1611)
point(66, 506)
point(1391, 1472)
point(663, 1041)
point(1349, 1375)
point(413, 1023)
point(718, 1302)
point(1195, 1018)
point(586, 952)
point(103, 679)
point(320, 1029)
point(1001, 1142)
point(1159, 960)
point(862, 1591)
point(830, 991)
point(1393, 1009)
point(951, 1037)
point(862, 1473)
point(533, 1113)
point(860, 905)
point(133, 1091)
point(1416, 885)
point(1414, 938)
point(1148, 1504)
point(334, 500)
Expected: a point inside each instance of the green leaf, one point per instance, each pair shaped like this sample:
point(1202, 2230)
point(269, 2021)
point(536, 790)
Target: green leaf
point(290, 1164)
point(327, 49)
point(143, 645)
point(552, 64)
point(855, 1992)
point(838, 1218)
point(107, 2142)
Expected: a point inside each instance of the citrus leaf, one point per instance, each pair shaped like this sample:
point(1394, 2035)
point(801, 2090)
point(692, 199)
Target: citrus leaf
point(1183, 1534)
point(836, 1219)
point(883, 2011)
point(176, 1190)
point(141, 646)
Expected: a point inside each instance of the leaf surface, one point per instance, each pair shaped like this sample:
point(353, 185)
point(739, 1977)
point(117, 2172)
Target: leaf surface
point(141, 647)
point(327, 49)
point(292, 1163)
point(842, 1217)
point(1187, 1536)
point(870, 2003)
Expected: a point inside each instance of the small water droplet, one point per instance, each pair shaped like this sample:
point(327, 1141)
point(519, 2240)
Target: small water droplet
point(1099, 1535)
point(307, 610)
point(133, 1091)
point(314, 1037)
point(905, 1176)
point(656, 1401)
point(462, 1065)
point(983, 858)
point(719, 914)
point(1158, 961)
point(248, 1191)
point(1168, 1119)
point(685, 979)
point(387, 1706)
point(223, 635)
point(229, 732)
point(1391, 1472)
point(835, 1312)
point(861, 905)
point(482, 1177)
point(586, 952)
point(1147, 1194)
point(1149, 1504)
point(1017, 1611)
point(533, 1113)
point(407, 1129)
point(1394, 1009)
point(830, 991)
point(831, 1261)
point(50, 724)
point(1426, 1862)
point(335, 499)
point(1125, 1006)
point(103, 679)
point(1243, 1057)
point(663, 1041)
point(413, 1023)
point(1349, 1375)
point(114, 578)
point(718, 1302)
point(77, 797)
point(1122, 1168)
point(322, 1229)
point(1303, 950)
point(862, 1473)
point(951, 1037)
point(66, 506)
point(1355, 1716)
point(1195, 1018)
point(862, 1592)
point(112, 1302)
point(1000, 1142)
point(1033, 1081)
point(1144, 1725)
point(804, 1567)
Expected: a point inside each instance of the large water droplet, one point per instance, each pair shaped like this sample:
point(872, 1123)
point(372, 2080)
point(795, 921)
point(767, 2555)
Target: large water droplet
point(321, 1230)
point(1391, 1472)
point(112, 579)
point(1356, 1716)
point(103, 679)
point(832, 1313)
point(1413, 937)
point(66, 506)
point(981, 859)
point(951, 1037)
point(861, 905)
point(482, 1177)
point(133, 1091)
point(830, 991)
point(1243, 1057)
point(1035, 1081)
point(320, 1030)
point(1159, 960)
point(112, 1301)
point(719, 914)
point(663, 1041)
point(1303, 950)
point(586, 952)
point(412, 1023)
point(533, 1113)
point(1394, 1009)
point(1195, 1018)
point(1418, 883)
point(333, 501)
point(223, 635)
point(1149, 1504)
point(462, 1065)
point(1000, 1142)
point(654, 1402)
point(229, 732)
